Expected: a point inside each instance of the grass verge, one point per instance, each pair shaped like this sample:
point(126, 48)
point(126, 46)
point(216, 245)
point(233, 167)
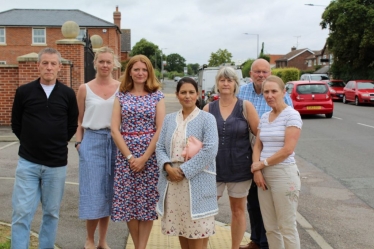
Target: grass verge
point(5, 238)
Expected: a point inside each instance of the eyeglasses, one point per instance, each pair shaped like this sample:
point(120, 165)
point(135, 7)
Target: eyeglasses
point(259, 72)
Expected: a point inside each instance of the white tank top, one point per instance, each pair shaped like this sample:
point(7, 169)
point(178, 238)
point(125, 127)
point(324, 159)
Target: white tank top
point(98, 113)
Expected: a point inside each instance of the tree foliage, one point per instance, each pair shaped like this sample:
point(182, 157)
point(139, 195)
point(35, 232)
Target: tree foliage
point(148, 49)
point(246, 67)
point(193, 68)
point(351, 24)
point(175, 62)
point(262, 55)
point(219, 57)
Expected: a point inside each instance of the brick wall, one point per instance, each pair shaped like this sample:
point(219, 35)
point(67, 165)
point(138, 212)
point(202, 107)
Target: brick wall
point(75, 53)
point(299, 61)
point(19, 41)
point(8, 86)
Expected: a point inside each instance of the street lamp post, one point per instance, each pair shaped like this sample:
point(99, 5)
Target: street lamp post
point(310, 4)
point(162, 65)
point(258, 38)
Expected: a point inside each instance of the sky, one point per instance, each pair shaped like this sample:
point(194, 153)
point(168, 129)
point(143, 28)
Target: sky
point(196, 28)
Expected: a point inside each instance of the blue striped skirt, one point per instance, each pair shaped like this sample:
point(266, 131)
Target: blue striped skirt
point(97, 155)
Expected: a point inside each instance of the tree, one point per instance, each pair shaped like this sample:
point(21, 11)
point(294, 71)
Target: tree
point(246, 67)
point(219, 57)
point(351, 25)
point(175, 62)
point(262, 55)
point(193, 68)
point(148, 49)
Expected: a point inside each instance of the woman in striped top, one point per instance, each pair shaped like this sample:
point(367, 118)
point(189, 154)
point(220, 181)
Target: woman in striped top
point(274, 167)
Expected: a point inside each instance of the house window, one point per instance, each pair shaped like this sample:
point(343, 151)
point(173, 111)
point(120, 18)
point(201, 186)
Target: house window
point(82, 33)
point(2, 35)
point(38, 36)
point(2, 62)
point(309, 63)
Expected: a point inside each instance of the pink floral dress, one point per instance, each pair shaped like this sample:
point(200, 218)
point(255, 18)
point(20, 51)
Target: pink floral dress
point(177, 217)
point(135, 193)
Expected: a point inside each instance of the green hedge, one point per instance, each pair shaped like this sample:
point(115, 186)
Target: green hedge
point(287, 74)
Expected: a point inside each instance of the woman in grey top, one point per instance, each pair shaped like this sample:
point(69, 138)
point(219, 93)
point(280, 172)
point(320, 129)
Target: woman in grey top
point(234, 150)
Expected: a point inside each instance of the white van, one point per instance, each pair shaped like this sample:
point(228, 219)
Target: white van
point(207, 80)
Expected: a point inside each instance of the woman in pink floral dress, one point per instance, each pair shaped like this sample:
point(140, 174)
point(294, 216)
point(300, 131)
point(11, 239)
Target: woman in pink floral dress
point(138, 113)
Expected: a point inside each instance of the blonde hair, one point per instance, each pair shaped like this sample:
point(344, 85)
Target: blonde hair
point(227, 73)
point(103, 50)
point(273, 78)
point(151, 85)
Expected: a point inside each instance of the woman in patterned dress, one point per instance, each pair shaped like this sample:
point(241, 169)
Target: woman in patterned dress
point(96, 148)
point(138, 113)
point(188, 196)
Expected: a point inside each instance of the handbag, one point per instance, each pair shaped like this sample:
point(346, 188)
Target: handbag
point(193, 146)
point(252, 137)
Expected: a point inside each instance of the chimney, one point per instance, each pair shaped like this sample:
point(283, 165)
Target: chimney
point(117, 17)
point(292, 49)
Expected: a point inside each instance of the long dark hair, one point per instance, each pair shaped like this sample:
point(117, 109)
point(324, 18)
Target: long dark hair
point(188, 80)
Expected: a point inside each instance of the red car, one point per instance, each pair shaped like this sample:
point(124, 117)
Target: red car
point(359, 91)
point(311, 97)
point(336, 89)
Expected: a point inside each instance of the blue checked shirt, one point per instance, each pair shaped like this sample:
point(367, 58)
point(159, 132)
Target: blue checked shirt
point(247, 92)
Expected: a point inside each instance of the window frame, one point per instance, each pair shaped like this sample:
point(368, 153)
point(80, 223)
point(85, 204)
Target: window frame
point(33, 36)
point(80, 29)
point(4, 42)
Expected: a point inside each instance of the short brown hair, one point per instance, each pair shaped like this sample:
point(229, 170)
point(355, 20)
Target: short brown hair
point(152, 84)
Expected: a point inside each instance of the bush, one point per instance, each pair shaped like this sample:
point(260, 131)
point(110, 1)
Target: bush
point(246, 67)
point(173, 74)
point(287, 74)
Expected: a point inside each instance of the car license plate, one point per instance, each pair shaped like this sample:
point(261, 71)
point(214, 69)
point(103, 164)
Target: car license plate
point(371, 98)
point(313, 107)
point(341, 95)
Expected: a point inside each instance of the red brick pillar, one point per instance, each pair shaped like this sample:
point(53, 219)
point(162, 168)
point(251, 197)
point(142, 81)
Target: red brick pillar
point(8, 87)
point(73, 50)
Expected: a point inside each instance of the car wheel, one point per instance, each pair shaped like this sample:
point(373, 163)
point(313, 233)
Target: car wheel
point(356, 101)
point(328, 115)
point(345, 100)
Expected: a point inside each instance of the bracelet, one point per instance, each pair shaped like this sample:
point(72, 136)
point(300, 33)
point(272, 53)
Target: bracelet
point(266, 163)
point(76, 144)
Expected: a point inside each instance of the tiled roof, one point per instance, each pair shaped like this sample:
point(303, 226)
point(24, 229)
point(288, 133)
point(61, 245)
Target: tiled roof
point(125, 40)
point(293, 54)
point(50, 17)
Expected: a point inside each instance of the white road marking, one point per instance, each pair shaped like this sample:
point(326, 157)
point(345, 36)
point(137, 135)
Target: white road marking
point(5, 146)
point(313, 233)
point(337, 118)
point(366, 125)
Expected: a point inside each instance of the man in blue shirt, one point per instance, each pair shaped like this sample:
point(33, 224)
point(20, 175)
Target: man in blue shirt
point(252, 92)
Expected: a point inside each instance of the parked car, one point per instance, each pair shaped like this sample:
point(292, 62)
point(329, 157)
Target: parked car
point(336, 89)
point(311, 97)
point(359, 91)
point(314, 76)
point(177, 78)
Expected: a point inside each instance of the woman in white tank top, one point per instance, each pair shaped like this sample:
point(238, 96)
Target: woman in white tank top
point(96, 147)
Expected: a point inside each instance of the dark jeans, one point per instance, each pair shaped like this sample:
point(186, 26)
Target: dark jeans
point(258, 232)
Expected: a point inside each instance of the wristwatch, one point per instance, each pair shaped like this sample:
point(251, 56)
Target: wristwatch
point(76, 144)
point(129, 157)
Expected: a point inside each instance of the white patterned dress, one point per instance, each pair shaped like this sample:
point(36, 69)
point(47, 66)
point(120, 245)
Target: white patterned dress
point(177, 219)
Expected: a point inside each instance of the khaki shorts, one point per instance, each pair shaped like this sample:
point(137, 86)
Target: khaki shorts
point(234, 189)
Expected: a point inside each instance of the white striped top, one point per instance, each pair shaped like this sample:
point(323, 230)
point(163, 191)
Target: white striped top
point(272, 133)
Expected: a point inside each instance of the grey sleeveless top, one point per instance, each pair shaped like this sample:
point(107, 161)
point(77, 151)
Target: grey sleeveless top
point(234, 158)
